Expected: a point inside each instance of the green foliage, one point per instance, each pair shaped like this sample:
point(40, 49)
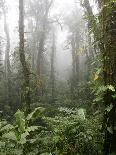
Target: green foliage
point(20, 120)
point(35, 114)
point(70, 132)
point(15, 138)
point(101, 90)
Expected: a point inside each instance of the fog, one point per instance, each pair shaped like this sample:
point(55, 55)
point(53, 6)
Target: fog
point(57, 77)
point(60, 9)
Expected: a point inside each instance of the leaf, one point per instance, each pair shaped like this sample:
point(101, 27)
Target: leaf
point(56, 139)
point(96, 77)
point(32, 140)
point(7, 127)
point(98, 71)
point(111, 88)
point(101, 89)
point(110, 130)
point(32, 128)
point(97, 99)
point(36, 113)
point(10, 136)
point(81, 114)
point(97, 74)
point(20, 120)
point(109, 108)
point(3, 123)
point(23, 138)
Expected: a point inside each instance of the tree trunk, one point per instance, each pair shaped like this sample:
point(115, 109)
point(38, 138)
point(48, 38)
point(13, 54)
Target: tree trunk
point(73, 79)
point(75, 64)
point(109, 57)
point(7, 51)
point(40, 47)
point(52, 68)
point(107, 45)
point(44, 23)
point(7, 71)
point(25, 68)
point(77, 41)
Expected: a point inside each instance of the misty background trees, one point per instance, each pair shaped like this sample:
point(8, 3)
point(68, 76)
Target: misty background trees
point(57, 77)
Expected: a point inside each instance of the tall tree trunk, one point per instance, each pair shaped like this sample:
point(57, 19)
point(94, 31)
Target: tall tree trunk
point(7, 71)
point(41, 44)
point(25, 68)
point(52, 68)
point(40, 53)
point(7, 51)
point(77, 41)
point(108, 46)
point(73, 79)
point(75, 64)
point(108, 22)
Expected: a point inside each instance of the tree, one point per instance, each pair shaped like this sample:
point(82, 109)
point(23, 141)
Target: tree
point(7, 70)
point(44, 23)
point(39, 15)
point(75, 37)
point(53, 51)
point(107, 46)
point(7, 51)
point(25, 67)
point(108, 23)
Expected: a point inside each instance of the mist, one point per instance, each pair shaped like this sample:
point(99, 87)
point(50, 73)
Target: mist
point(57, 77)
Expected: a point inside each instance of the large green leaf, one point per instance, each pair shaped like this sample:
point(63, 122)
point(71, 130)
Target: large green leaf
point(36, 113)
point(20, 120)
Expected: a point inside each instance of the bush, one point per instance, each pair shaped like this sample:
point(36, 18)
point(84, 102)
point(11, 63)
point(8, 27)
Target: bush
point(68, 133)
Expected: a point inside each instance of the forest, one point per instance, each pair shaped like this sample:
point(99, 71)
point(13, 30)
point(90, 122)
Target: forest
point(57, 77)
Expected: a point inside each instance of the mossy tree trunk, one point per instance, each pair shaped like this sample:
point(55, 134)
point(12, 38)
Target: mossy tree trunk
point(107, 45)
point(109, 56)
point(25, 68)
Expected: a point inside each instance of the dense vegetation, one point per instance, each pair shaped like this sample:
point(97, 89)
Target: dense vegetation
point(42, 114)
